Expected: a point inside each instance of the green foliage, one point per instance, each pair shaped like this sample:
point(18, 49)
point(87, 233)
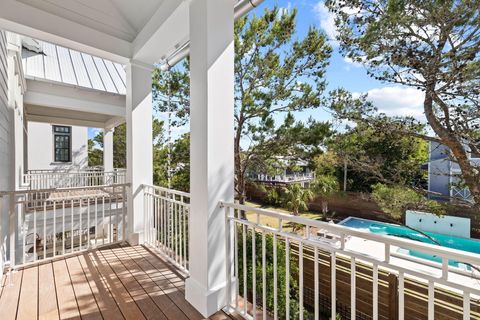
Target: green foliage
point(281, 272)
point(395, 200)
point(433, 46)
point(297, 198)
point(377, 149)
point(95, 155)
point(273, 197)
point(275, 74)
point(179, 164)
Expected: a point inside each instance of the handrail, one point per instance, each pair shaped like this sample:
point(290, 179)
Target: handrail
point(177, 192)
point(444, 252)
point(4, 193)
point(246, 264)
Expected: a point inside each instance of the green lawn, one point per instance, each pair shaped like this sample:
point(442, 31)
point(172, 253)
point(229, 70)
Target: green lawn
point(272, 222)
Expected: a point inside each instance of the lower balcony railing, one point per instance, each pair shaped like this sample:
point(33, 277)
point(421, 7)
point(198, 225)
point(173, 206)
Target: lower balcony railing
point(166, 223)
point(44, 179)
point(324, 270)
point(52, 222)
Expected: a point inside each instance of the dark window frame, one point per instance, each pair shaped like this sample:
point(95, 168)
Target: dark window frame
point(62, 153)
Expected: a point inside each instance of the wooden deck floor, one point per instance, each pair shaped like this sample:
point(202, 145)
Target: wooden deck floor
point(114, 283)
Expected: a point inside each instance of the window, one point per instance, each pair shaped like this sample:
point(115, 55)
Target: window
point(62, 139)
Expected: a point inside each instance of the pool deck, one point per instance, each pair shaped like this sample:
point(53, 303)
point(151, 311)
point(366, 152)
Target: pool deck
point(376, 250)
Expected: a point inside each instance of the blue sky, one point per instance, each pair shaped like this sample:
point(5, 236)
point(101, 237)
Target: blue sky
point(391, 99)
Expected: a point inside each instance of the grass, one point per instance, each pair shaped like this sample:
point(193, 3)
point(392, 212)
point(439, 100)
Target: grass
point(273, 222)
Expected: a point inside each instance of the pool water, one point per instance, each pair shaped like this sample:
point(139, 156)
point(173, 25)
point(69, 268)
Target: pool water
point(458, 243)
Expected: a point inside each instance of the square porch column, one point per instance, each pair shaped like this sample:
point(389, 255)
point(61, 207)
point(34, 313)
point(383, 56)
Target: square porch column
point(139, 144)
point(108, 149)
point(211, 149)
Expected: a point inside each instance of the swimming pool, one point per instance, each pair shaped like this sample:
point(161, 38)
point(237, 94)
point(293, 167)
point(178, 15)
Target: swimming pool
point(458, 243)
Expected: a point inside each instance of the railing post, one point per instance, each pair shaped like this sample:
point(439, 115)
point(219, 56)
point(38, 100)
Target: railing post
point(229, 256)
point(393, 296)
point(12, 228)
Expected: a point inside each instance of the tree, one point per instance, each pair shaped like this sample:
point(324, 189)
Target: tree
point(326, 181)
point(179, 164)
point(297, 198)
point(431, 45)
point(396, 200)
point(377, 151)
point(274, 74)
point(95, 155)
point(120, 142)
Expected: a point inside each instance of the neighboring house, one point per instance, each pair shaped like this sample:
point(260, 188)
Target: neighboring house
point(444, 174)
point(57, 147)
point(284, 173)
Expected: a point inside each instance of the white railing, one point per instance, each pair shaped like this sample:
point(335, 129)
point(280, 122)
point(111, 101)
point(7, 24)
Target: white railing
point(251, 243)
point(295, 177)
point(167, 223)
point(64, 179)
point(461, 193)
point(44, 224)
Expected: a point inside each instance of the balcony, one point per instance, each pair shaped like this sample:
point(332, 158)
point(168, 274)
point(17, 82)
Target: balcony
point(81, 257)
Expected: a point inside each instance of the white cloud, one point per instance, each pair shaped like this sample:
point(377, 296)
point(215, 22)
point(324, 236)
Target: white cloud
point(327, 22)
point(398, 101)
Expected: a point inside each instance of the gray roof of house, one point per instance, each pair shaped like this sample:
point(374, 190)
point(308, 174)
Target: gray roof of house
point(59, 64)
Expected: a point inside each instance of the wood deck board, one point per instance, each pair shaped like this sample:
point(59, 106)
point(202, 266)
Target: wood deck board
point(10, 296)
point(47, 300)
point(142, 299)
point(119, 282)
point(84, 296)
point(28, 302)
point(107, 305)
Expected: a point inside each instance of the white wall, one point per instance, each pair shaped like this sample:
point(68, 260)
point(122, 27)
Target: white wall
point(5, 142)
point(447, 225)
point(41, 151)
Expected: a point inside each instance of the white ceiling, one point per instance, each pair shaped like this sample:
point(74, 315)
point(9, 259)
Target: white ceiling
point(117, 30)
point(123, 19)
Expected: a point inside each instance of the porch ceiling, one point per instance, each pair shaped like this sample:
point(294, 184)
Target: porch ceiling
point(118, 30)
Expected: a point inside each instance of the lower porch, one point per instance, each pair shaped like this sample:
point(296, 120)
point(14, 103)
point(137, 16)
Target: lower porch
point(115, 282)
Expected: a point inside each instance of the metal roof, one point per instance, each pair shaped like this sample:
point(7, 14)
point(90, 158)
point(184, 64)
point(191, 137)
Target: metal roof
point(59, 64)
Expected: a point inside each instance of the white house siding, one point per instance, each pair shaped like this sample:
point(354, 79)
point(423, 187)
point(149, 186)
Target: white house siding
point(5, 141)
point(41, 149)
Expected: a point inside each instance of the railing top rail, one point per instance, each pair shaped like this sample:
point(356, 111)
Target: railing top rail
point(4, 193)
point(91, 172)
point(177, 192)
point(444, 252)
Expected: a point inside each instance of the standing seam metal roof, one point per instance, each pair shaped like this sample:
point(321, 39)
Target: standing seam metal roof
point(60, 64)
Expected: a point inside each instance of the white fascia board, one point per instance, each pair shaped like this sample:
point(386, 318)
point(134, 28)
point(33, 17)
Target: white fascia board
point(164, 33)
point(65, 121)
point(29, 21)
point(47, 94)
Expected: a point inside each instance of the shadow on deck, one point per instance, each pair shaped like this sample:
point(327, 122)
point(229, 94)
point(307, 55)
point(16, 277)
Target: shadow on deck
point(119, 282)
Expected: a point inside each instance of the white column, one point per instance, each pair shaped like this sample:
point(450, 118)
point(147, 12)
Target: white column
point(211, 149)
point(108, 149)
point(139, 144)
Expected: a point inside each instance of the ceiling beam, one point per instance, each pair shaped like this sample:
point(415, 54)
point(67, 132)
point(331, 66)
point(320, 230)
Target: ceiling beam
point(161, 36)
point(74, 98)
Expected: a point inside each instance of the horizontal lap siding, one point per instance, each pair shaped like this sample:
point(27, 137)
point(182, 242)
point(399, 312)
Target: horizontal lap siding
point(5, 137)
point(5, 130)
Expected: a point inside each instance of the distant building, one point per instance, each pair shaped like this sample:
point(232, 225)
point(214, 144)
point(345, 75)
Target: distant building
point(444, 174)
point(57, 147)
point(285, 175)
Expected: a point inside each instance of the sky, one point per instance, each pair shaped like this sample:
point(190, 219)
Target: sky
point(341, 73)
